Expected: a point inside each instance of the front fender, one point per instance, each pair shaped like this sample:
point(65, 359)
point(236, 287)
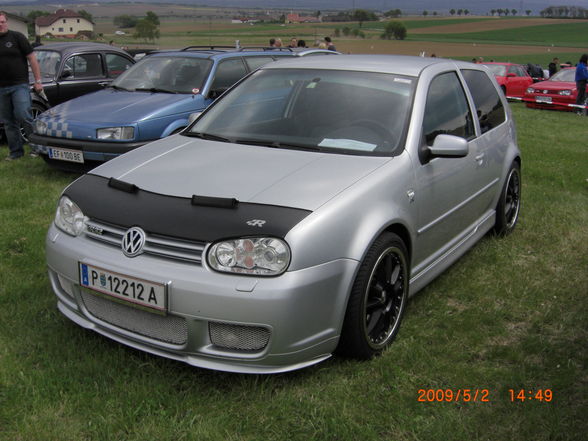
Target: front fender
point(175, 126)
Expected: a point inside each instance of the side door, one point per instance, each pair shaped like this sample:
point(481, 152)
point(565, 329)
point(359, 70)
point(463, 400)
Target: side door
point(446, 187)
point(80, 74)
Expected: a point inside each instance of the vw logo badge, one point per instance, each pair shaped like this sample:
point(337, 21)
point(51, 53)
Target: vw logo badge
point(133, 242)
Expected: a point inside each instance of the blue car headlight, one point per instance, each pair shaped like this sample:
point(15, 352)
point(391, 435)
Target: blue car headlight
point(69, 218)
point(115, 133)
point(260, 256)
point(40, 127)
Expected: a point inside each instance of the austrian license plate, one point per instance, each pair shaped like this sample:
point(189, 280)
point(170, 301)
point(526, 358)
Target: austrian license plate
point(136, 292)
point(543, 99)
point(66, 155)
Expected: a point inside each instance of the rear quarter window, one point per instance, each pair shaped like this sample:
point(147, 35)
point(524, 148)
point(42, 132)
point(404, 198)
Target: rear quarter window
point(489, 108)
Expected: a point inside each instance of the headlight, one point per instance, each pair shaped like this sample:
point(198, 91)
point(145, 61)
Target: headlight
point(565, 92)
point(262, 256)
point(40, 127)
point(530, 90)
point(69, 217)
point(116, 133)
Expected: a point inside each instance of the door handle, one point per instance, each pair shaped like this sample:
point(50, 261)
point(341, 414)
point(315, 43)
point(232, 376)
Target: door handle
point(480, 159)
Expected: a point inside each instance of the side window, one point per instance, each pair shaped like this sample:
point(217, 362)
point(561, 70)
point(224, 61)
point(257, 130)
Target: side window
point(255, 62)
point(85, 66)
point(228, 73)
point(116, 64)
point(447, 111)
point(489, 107)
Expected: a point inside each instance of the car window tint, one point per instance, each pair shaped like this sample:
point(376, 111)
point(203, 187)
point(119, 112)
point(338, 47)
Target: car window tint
point(447, 110)
point(85, 66)
point(489, 107)
point(116, 64)
point(255, 62)
point(228, 73)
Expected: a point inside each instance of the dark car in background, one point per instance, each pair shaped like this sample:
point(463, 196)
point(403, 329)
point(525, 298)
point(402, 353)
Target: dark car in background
point(72, 69)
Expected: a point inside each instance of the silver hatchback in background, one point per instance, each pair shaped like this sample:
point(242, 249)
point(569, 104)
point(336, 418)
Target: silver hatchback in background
point(294, 218)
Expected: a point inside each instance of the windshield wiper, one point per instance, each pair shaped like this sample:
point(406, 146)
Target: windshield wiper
point(154, 90)
point(278, 145)
point(207, 136)
point(114, 86)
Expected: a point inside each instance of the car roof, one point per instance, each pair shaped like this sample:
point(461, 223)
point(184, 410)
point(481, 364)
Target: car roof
point(501, 63)
point(396, 64)
point(219, 52)
point(79, 46)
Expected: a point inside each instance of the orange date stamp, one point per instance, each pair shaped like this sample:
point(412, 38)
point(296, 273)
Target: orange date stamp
point(450, 395)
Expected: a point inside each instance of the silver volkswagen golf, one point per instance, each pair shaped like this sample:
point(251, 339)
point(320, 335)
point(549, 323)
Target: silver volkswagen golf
point(294, 218)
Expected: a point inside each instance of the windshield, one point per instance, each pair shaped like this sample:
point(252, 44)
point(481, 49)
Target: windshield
point(336, 111)
point(564, 75)
point(48, 62)
point(498, 70)
point(165, 74)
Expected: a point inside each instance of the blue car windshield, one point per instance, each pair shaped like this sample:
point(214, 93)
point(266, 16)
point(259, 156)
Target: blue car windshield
point(165, 74)
point(327, 110)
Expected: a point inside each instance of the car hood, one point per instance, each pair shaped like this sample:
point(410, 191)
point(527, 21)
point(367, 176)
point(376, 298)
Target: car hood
point(121, 107)
point(180, 166)
point(554, 85)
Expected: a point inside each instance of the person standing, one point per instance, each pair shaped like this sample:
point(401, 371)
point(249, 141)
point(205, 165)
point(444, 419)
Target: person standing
point(553, 67)
point(581, 79)
point(329, 44)
point(15, 99)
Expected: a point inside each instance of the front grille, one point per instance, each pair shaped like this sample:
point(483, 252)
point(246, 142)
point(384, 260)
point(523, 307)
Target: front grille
point(238, 337)
point(168, 329)
point(163, 246)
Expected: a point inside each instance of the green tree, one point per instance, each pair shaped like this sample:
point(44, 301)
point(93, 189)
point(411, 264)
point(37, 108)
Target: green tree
point(337, 32)
point(394, 29)
point(86, 15)
point(152, 17)
point(362, 15)
point(346, 31)
point(425, 13)
point(125, 21)
point(146, 30)
point(393, 13)
point(452, 11)
point(513, 11)
point(528, 12)
point(32, 16)
point(466, 12)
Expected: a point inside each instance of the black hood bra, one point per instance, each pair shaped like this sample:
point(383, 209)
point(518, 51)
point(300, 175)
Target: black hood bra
point(200, 218)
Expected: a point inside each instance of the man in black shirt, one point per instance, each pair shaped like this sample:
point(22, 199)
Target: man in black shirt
point(15, 99)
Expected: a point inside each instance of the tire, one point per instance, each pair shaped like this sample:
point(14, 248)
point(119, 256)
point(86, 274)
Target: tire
point(377, 299)
point(509, 204)
point(36, 110)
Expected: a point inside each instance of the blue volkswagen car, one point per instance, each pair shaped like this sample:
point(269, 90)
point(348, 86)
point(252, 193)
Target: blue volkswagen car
point(153, 99)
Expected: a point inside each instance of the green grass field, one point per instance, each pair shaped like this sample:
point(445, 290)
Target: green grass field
point(511, 314)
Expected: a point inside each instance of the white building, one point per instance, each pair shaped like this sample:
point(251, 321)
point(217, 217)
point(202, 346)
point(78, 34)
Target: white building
point(63, 23)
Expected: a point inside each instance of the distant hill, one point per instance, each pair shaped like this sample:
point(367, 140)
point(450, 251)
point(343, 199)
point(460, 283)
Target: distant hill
point(406, 6)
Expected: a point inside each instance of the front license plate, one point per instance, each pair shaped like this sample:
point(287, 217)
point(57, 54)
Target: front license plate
point(66, 155)
point(543, 99)
point(137, 292)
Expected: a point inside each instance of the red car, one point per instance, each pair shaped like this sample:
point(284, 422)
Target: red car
point(512, 78)
point(556, 93)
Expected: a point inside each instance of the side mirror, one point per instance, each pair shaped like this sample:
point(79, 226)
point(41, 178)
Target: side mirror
point(449, 146)
point(66, 74)
point(215, 93)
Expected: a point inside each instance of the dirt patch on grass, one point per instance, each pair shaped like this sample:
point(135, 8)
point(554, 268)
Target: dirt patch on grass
point(489, 25)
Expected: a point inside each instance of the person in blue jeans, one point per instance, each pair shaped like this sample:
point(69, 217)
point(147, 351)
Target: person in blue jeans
point(581, 79)
point(16, 54)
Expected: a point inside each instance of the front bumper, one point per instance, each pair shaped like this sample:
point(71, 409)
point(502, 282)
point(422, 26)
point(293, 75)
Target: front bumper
point(300, 311)
point(92, 150)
